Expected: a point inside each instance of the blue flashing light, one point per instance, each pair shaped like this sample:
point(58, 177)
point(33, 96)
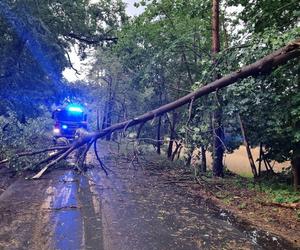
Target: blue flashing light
point(75, 108)
point(64, 126)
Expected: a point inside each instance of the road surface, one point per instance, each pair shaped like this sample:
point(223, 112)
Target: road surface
point(134, 208)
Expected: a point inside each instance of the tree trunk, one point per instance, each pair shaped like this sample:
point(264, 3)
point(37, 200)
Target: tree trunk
point(262, 66)
point(296, 162)
point(179, 152)
point(215, 27)
point(189, 158)
point(171, 142)
point(109, 113)
point(250, 157)
point(172, 135)
point(296, 171)
point(104, 126)
point(260, 158)
point(178, 145)
point(218, 135)
point(218, 148)
point(203, 159)
point(158, 136)
point(197, 168)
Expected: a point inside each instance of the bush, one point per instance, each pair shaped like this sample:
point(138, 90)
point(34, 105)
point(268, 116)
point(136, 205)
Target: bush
point(19, 137)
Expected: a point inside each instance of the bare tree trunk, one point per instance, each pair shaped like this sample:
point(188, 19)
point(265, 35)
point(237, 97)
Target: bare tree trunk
point(296, 171)
point(203, 159)
point(189, 158)
point(158, 136)
point(172, 134)
point(197, 168)
point(260, 158)
point(171, 142)
point(178, 145)
point(263, 66)
point(108, 108)
point(218, 149)
point(110, 104)
point(296, 161)
point(187, 67)
point(104, 126)
point(98, 120)
point(250, 157)
point(215, 27)
point(179, 152)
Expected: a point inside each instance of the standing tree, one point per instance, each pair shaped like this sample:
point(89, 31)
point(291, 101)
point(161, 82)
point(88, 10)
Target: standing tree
point(218, 134)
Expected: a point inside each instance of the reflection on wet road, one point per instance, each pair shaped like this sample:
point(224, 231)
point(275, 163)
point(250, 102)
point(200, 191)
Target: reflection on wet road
point(128, 210)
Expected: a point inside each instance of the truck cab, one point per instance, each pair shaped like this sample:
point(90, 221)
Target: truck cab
point(67, 120)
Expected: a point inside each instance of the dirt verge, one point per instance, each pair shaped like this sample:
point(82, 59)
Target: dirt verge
point(246, 206)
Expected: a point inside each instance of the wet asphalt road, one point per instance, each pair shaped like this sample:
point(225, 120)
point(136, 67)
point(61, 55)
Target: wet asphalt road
point(128, 210)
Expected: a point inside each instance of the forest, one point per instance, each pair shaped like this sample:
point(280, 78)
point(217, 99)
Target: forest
point(186, 82)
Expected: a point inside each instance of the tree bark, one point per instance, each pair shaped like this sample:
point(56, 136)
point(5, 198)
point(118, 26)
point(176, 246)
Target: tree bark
point(107, 120)
point(203, 159)
point(218, 140)
point(296, 167)
point(170, 147)
point(158, 136)
point(172, 135)
point(108, 117)
point(296, 172)
point(215, 27)
point(189, 157)
point(179, 152)
point(245, 139)
point(178, 145)
point(260, 158)
point(218, 149)
point(262, 66)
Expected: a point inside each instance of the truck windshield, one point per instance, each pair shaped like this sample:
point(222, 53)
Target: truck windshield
point(65, 115)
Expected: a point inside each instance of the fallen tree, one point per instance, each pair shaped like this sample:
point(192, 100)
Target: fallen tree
point(260, 67)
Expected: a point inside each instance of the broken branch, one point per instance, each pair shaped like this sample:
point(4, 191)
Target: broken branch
point(262, 66)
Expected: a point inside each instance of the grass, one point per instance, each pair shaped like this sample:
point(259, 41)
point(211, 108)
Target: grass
point(277, 187)
point(246, 175)
point(279, 192)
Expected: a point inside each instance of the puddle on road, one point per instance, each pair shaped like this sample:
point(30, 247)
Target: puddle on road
point(66, 215)
point(258, 237)
point(76, 223)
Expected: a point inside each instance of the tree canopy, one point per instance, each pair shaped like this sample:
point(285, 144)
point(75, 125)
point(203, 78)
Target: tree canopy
point(37, 36)
point(144, 62)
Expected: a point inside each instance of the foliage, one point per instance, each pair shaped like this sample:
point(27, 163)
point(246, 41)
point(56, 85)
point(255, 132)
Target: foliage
point(278, 191)
point(263, 14)
point(160, 55)
point(36, 37)
point(17, 137)
point(161, 51)
point(165, 52)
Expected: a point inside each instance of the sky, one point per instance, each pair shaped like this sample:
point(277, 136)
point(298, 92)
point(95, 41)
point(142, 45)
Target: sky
point(82, 66)
point(131, 10)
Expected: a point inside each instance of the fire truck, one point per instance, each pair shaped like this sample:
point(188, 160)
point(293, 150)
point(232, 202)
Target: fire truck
point(67, 120)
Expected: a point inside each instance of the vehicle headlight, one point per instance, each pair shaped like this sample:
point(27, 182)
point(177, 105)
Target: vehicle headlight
point(56, 130)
